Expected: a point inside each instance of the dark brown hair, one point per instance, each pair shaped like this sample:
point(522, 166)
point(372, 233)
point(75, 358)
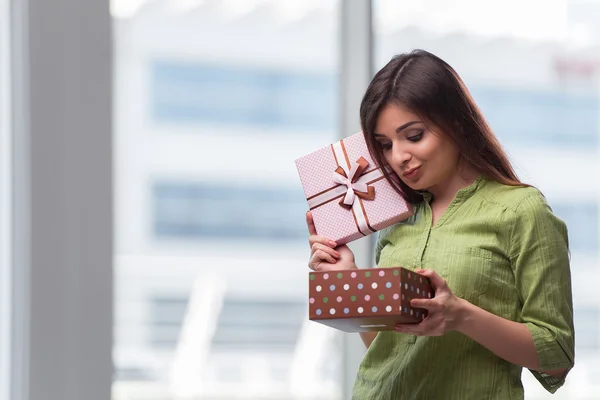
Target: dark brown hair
point(430, 88)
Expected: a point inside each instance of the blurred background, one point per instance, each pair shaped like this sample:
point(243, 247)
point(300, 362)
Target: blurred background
point(212, 102)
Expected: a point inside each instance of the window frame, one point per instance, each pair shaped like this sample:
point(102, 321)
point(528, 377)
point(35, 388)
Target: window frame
point(5, 206)
point(356, 69)
point(60, 269)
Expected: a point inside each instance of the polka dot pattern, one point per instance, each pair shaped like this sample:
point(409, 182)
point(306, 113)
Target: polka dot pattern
point(376, 293)
point(315, 170)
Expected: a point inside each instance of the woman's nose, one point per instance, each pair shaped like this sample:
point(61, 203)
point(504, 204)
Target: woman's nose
point(400, 156)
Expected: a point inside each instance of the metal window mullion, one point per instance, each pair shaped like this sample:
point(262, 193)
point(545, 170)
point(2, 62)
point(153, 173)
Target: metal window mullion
point(356, 70)
point(19, 202)
point(61, 300)
point(5, 204)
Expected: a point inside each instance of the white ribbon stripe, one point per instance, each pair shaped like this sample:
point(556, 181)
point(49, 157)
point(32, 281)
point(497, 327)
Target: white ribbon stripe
point(359, 213)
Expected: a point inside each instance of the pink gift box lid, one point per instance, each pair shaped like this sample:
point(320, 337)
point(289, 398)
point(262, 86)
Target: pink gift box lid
point(341, 223)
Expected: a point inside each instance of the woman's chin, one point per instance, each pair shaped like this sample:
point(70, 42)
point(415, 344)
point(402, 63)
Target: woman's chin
point(416, 186)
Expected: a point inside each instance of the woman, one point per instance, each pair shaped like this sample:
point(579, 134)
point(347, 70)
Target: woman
point(494, 251)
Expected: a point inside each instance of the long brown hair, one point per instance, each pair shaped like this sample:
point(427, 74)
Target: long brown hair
point(430, 88)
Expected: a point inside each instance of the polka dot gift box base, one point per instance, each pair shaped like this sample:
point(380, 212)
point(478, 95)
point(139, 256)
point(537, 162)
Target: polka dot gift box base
point(346, 192)
point(372, 299)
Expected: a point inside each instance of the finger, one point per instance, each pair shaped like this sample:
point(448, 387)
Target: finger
point(436, 281)
point(421, 328)
point(315, 263)
point(325, 256)
point(410, 329)
point(321, 239)
point(321, 256)
point(427, 304)
point(311, 224)
point(326, 249)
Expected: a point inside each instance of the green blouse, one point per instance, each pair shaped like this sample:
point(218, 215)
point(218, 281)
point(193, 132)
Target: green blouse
point(500, 248)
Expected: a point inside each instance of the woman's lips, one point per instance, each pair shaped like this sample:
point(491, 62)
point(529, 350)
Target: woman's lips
point(412, 173)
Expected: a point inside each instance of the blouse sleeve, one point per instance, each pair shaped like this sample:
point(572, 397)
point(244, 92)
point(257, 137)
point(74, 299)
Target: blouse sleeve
point(540, 260)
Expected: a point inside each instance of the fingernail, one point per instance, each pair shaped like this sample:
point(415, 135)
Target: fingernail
point(332, 243)
point(337, 254)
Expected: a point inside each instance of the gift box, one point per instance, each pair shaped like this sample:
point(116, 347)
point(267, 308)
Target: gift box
point(347, 193)
point(373, 299)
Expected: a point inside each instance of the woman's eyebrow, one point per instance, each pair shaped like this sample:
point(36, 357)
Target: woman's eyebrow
point(399, 129)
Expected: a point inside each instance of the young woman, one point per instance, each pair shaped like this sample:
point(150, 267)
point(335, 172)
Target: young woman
point(494, 251)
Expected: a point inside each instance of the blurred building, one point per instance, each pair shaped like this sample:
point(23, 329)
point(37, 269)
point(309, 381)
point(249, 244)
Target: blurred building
point(213, 104)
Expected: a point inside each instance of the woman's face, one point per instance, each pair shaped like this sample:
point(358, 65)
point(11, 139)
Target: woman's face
point(422, 159)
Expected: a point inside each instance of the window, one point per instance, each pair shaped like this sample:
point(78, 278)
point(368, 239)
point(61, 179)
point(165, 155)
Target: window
point(166, 319)
point(270, 326)
point(541, 117)
point(246, 70)
point(185, 92)
point(271, 331)
point(206, 210)
point(537, 86)
point(587, 322)
point(188, 93)
point(582, 221)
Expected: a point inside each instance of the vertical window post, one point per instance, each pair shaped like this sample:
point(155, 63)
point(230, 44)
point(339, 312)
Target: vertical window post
point(5, 206)
point(356, 70)
point(61, 200)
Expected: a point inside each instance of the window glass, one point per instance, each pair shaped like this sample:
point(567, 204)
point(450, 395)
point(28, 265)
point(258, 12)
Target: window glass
point(536, 78)
point(213, 101)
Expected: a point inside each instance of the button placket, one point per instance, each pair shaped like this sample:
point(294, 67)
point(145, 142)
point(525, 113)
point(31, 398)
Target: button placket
point(420, 251)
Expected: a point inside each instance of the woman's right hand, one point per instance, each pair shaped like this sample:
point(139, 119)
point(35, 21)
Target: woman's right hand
point(324, 255)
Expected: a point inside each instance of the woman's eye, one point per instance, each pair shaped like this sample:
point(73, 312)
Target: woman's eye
point(386, 146)
point(417, 137)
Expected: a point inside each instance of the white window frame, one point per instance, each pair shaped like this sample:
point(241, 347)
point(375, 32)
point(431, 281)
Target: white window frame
point(60, 180)
point(5, 206)
point(356, 71)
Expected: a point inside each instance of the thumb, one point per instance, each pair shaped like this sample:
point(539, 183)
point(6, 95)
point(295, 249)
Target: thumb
point(311, 223)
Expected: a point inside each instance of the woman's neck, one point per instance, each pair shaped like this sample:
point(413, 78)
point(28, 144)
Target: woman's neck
point(445, 191)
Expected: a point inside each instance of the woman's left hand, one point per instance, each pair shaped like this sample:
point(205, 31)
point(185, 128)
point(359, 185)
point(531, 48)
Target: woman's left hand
point(444, 310)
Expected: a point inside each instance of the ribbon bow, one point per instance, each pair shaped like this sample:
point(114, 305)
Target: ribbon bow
point(357, 185)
